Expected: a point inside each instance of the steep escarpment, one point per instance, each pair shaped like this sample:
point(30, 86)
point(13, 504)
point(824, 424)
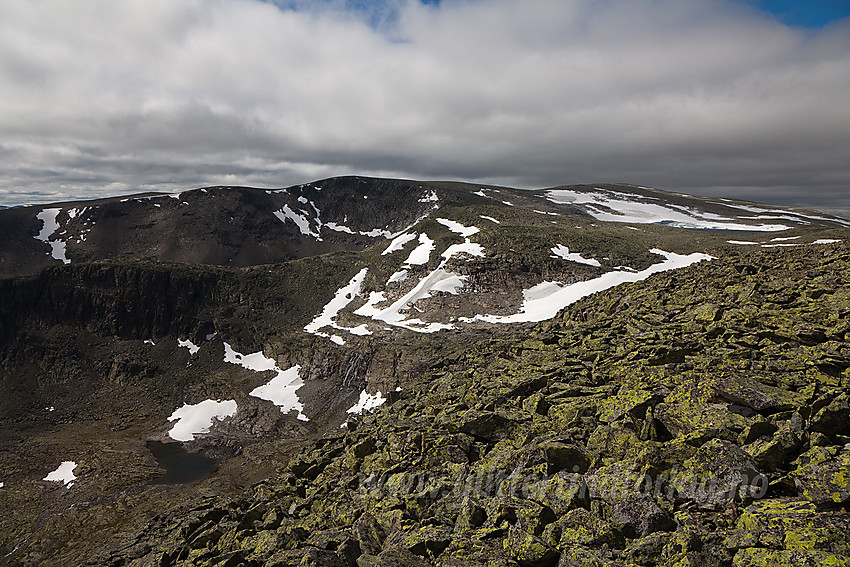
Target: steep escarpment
point(143, 299)
point(700, 417)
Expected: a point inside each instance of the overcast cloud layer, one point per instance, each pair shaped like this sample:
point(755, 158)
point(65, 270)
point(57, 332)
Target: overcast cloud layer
point(712, 97)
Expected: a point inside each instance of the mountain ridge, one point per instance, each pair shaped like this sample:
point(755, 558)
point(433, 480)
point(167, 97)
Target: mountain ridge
point(340, 306)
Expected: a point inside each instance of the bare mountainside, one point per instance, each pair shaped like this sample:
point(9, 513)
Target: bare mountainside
point(160, 355)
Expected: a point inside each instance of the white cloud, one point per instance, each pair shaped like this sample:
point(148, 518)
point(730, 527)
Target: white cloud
point(105, 97)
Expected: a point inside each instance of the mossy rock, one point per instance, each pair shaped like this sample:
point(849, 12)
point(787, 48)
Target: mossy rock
point(717, 474)
point(753, 394)
point(834, 419)
point(823, 475)
point(758, 557)
point(564, 457)
point(789, 524)
point(529, 550)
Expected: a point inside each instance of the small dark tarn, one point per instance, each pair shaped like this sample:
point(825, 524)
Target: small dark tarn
point(181, 467)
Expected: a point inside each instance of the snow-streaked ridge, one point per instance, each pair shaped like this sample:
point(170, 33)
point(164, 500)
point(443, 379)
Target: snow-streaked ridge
point(341, 299)
point(612, 206)
point(546, 299)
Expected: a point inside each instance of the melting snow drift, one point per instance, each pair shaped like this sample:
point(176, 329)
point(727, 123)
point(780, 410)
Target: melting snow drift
point(544, 300)
point(610, 206)
point(63, 474)
point(561, 251)
point(281, 389)
point(197, 418)
point(367, 402)
point(48, 228)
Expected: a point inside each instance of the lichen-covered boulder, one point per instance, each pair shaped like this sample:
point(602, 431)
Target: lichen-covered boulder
point(823, 475)
point(758, 557)
point(791, 525)
point(529, 550)
point(753, 394)
point(834, 419)
point(774, 453)
point(564, 457)
point(639, 516)
point(717, 474)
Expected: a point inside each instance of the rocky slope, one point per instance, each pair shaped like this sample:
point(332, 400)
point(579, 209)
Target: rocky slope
point(134, 330)
point(699, 418)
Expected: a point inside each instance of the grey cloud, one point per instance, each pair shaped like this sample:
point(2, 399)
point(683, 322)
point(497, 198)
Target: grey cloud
point(709, 97)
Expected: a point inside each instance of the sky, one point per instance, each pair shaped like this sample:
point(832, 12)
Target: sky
point(731, 98)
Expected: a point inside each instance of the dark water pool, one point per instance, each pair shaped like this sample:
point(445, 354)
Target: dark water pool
point(181, 467)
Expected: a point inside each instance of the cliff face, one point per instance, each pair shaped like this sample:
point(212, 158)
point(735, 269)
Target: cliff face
point(127, 301)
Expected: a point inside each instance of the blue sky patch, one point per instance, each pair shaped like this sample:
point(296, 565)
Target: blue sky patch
point(808, 14)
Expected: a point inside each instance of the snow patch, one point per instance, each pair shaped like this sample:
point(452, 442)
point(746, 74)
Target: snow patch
point(281, 389)
point(546, 299)
point(340, 300)
point(189, 345)
point(797, 217)
point(284, 389)
point(57, 251)
point(826, 241)
point(429, 198)
point(613, 207)
point(741, 242)
point(339, 228)
point(367, 402)
point(456, 227)
point(784, 238)
point(398, 243)
point(399, 276)
point(491, 219)
point(258, 362)
point(193, 419)
point(438, 279)
point(471, 248)
point(300, 220)
point(561, 251)
point(63, 474)
point(150, 342)
point(422, 252)
point(48, 228)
